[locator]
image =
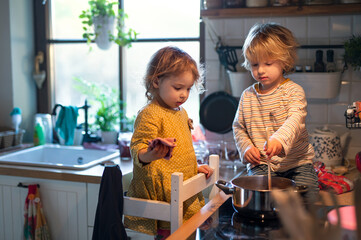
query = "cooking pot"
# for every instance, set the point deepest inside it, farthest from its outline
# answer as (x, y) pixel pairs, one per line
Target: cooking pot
(251, 196)
(328, 146)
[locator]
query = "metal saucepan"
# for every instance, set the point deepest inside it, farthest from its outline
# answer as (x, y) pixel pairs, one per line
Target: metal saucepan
(251, 196)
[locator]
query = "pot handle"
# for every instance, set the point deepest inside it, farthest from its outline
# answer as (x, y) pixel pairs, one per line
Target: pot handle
(221, 184)
(301, 189)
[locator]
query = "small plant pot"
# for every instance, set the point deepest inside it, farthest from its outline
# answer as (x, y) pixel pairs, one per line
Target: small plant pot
(103, 26)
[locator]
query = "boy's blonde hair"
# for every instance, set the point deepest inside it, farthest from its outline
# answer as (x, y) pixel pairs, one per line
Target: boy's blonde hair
(171, 61)
(270, 41)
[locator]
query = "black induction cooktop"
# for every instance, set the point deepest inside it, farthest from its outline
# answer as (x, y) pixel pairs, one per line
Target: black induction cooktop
(226, 223)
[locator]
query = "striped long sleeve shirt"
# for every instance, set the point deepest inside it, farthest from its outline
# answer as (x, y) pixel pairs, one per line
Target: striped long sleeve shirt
(282, 110)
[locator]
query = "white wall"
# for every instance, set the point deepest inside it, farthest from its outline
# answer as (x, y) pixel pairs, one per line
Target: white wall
(17, 88)
(308, 30)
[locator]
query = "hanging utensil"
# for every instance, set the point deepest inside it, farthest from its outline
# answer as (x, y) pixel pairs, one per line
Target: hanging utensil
(231, 58)
(227, 56)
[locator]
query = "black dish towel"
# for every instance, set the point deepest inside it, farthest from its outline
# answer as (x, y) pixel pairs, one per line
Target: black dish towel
(108, 223)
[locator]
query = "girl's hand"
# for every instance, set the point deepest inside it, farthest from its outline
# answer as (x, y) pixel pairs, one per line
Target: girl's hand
(160, 151)
(273, 147)
(207, 170)
(252, 155)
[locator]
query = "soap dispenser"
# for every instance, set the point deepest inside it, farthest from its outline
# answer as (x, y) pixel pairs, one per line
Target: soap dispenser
(16, 118)
(39, 132)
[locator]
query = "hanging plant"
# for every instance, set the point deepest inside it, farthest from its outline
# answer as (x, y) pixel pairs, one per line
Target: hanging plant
(353, 52)
(100, 21)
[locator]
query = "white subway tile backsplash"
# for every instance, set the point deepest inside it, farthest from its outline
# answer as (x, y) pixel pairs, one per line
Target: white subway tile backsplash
(318, 27)
(356, 26)
(347, 75)
(249, 22)
(344, 94)
(211, 53)
(340, 26)
(316, 113)
(281, 21)
(355, 92)
(212, 70)
(336, 113)
(234, 28)
(356, 76)
(355, 138)
(351, 153)
(212, 86)
(215, 27)
(298, 26)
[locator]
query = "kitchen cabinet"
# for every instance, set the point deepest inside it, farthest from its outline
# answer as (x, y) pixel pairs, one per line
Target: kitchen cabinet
(64, 205)
(305, 10)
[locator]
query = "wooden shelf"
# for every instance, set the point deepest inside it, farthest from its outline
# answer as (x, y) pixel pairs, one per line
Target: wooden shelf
(305, 10)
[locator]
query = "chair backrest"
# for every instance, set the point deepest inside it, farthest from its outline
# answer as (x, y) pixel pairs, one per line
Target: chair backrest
(180, 191)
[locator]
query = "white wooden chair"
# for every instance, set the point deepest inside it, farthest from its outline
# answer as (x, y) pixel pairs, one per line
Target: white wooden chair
(180, 191)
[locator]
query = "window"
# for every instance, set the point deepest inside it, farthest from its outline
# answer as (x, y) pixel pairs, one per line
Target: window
(158, 22)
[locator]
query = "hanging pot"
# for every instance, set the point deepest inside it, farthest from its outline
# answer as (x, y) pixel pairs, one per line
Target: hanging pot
(103, 27)
(217, 112)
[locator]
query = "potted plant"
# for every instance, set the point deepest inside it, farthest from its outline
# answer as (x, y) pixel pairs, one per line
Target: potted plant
(353, 52)
(99, 22)
(105, 100)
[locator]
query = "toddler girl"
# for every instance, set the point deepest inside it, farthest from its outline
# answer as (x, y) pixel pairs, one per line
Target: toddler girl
(170, 75)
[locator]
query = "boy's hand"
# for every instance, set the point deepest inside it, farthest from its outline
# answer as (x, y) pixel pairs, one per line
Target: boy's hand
(207, 170)
(273, 148)
(252, 155)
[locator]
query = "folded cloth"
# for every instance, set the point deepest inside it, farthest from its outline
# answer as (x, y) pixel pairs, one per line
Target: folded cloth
(329, 181)
(169, 142)
(35, 226)
(66, 123)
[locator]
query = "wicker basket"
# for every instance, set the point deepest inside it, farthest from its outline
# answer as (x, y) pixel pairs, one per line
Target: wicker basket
(8, 137)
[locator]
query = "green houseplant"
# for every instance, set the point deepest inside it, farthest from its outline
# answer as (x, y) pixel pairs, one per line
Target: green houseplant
(109, 115)
(105, 100)
(99, 22)
(353, 52)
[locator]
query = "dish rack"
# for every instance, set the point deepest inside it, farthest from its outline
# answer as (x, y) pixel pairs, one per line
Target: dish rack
(353, 117)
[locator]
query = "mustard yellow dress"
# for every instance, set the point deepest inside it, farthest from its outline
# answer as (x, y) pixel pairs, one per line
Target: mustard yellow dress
(153, 180)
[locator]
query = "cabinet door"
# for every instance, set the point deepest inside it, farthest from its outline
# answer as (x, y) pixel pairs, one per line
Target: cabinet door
(64, 205)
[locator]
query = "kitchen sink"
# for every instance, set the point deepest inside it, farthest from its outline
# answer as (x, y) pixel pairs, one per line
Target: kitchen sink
(58, 156)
